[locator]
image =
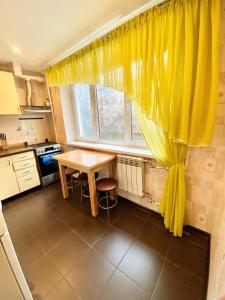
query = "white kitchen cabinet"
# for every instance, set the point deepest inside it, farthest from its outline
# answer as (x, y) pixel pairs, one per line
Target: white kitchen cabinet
(28, 182)
(22, 156)
(18, 173)
(9, 101)
(25, 172)
(9, 288)
(24, 164)
(13, 285)
(8, 182)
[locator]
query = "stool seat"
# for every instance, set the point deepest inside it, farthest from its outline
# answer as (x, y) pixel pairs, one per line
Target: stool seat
(84, 176)
(70, 171)
(106, 184)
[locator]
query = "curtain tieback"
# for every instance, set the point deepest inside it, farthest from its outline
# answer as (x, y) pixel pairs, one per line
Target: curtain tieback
(177, 164)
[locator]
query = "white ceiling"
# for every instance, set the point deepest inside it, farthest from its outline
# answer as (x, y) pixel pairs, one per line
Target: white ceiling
(43, 29)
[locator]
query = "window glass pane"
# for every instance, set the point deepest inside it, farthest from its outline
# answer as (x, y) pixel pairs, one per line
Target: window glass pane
(110, 105)
(136, 134)
(83, 105)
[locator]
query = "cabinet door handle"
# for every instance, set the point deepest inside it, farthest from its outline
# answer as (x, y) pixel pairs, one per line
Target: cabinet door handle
(23, 156)
(28, 179)
(26, 172)
(25, 165)
(9, 162)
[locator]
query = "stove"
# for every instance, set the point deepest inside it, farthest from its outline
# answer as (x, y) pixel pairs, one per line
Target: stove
(46, 147)
(48, 166)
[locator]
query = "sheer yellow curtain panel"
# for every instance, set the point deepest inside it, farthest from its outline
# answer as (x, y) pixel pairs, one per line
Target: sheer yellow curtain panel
(166, 60)
(171, 155)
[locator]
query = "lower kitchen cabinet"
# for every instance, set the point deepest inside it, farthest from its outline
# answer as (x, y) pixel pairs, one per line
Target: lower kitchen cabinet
(28, 182)
(8, 182)
(18, 173)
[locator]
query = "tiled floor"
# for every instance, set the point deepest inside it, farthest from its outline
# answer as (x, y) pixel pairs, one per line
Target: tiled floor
(66, 254)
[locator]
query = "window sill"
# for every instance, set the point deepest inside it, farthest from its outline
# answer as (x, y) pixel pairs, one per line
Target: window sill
(141, 152)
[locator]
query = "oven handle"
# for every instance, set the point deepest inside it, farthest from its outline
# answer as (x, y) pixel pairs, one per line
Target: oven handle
(52, 153)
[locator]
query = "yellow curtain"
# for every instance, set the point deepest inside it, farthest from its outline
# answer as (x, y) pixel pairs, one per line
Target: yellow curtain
(166, 61)
(171, 155)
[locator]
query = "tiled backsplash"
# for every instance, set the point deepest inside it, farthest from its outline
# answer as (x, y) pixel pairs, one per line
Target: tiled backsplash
(27, 128)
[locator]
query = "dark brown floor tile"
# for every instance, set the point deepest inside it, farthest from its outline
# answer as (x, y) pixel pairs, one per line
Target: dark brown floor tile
(120, 287)
(19, 234)
(24, 205)
(28, 253)
(176, 284)
(22, 200)
(113, 245)
(142, 265)
(189, 256)
(90, 275)
(42, 277)
(156, 219)
(48, 197)
(68, 252)
(155, 238)
(196, 238)
(129, 223)
(52, 235)
(83, 204)
(113, 214)
(62, 291)
(39, 220)
(42, 220)
(138, 211)
(70, 214)
(11, 218)
(91, 230)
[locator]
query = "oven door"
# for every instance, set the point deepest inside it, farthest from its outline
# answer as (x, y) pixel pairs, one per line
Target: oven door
(48, 165)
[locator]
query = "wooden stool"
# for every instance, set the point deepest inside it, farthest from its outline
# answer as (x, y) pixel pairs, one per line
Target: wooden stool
(69, 174)
(107, 185)
(83, 177)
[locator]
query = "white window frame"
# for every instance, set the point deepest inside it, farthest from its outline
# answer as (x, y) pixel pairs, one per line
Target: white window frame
(95, 124)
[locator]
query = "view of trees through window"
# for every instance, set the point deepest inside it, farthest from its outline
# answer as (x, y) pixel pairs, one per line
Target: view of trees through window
(103, 114)
(83, 105)
(110, 105)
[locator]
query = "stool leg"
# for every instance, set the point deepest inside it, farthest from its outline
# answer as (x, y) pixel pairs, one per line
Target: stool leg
(107, 199)
(81, 190)
(71, 182)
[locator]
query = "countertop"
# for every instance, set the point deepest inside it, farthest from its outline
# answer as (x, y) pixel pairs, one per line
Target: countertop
(15, 150)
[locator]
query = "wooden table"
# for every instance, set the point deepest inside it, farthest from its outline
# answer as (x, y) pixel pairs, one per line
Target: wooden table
(88, 162)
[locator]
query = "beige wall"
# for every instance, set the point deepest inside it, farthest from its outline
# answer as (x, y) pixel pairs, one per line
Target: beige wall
(216, 210)
(29, 130)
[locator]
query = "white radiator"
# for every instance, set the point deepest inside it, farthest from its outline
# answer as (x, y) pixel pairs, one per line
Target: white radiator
(130, 174)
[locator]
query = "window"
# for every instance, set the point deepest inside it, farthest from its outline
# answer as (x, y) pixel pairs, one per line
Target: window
(110, 106)
(83, 109)
(105, 115)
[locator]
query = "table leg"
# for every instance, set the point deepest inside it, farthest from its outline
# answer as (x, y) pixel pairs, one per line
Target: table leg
(111, 168)
(63, 181)
(92, 190)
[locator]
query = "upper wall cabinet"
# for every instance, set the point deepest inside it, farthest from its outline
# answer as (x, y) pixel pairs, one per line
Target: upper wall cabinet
(9, 101)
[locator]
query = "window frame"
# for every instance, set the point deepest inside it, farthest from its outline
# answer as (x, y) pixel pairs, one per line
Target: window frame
(127, 141)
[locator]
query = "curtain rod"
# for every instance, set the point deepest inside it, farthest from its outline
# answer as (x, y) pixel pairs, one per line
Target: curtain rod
(105, 29)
